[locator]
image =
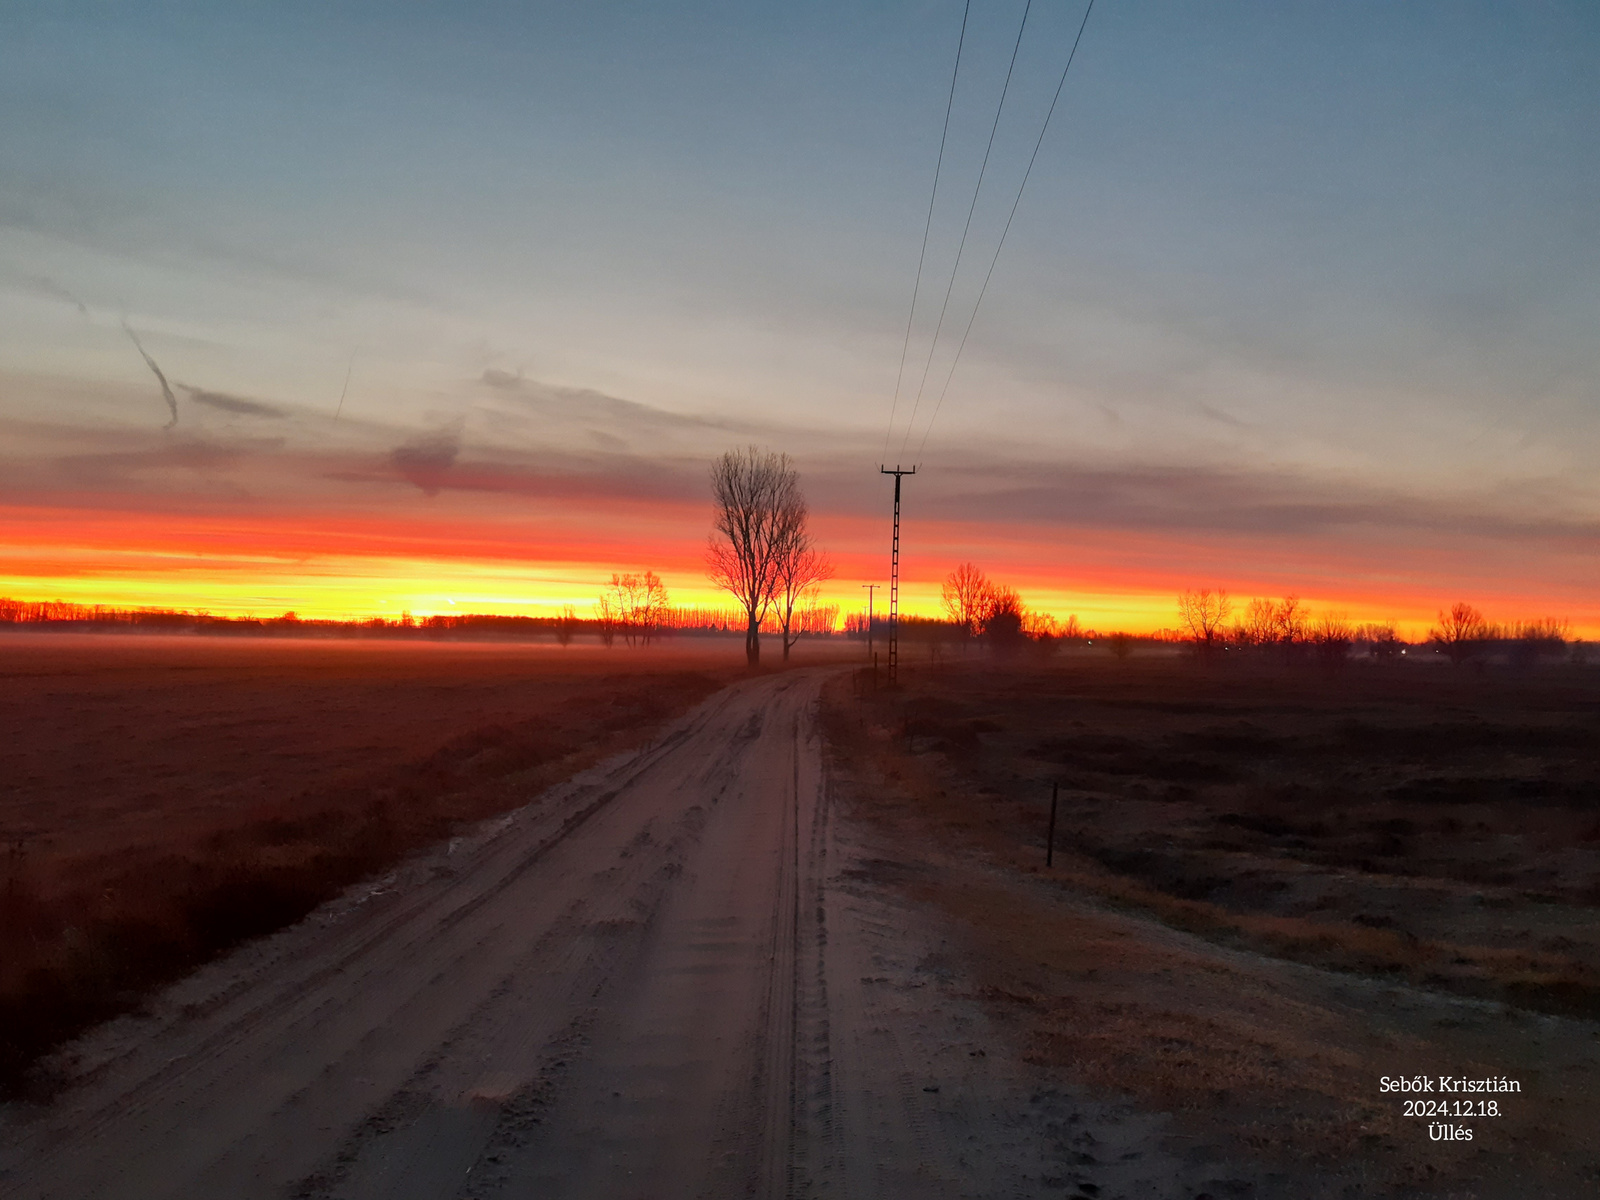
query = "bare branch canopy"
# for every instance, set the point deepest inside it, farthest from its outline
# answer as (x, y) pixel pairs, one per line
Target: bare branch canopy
(758, 533)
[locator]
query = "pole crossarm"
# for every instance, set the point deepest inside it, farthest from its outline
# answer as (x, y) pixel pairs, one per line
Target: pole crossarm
(894, 572)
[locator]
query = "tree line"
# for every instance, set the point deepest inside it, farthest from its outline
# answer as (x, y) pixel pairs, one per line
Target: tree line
(1288, 626)
(67, 616)
(979, 607)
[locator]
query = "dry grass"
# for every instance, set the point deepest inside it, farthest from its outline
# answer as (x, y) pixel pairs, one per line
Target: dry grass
(1430, 827)
(1143, 964)
(173, 797)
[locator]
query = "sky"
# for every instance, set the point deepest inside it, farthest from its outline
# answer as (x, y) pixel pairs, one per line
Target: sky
(456, 304)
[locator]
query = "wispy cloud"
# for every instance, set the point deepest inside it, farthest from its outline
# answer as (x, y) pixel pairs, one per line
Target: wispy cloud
(51, 288)
(585, 450)
(1198, 500)
(232, 404)
(595, 417)
(166, 388)
(1216, 414)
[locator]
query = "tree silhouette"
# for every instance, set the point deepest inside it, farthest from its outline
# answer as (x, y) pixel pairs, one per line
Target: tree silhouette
(607, 619)
(966, 596)
(566, 624)
(1332, 634)
(1004, 618)
(1202, 613)
(1461, 631)
(801, 566)
(1259, 626)
(635, 606)
(759, 513)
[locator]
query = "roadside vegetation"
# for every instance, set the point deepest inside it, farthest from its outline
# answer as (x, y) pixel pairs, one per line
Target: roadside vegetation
(1395, 823)
(171, 798)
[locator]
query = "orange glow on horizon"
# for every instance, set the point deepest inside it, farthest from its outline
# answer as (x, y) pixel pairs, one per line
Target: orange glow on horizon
(358, 565)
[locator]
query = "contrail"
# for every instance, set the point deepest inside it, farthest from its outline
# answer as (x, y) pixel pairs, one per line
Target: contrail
(344, 391)
(166, 388)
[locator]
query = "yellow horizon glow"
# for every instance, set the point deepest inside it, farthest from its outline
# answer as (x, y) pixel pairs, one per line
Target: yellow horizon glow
(354, 567)
(359, 589)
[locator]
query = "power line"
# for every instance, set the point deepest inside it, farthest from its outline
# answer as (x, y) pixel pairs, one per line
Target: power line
(984, 290)
(971, 208)
(927, 226)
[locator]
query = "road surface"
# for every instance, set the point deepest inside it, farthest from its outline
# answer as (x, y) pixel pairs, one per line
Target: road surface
(657, 981)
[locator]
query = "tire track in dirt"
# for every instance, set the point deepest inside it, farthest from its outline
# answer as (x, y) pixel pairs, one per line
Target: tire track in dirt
(672, 976)
(354, 981)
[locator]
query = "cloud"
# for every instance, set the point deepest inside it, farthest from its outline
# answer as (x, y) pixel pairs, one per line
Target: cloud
(161, 466)
(1198, 500)
(232, 404)
(589, 412)
(166, 388)
(503, 380)
(51, 288)
(426, 460)
(546, 474)
(189, 453)
(580, 448)
(1216, 414)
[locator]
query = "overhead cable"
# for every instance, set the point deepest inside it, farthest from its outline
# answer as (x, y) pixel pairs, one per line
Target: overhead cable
(984, 290)
(971, 208)
(949, 103)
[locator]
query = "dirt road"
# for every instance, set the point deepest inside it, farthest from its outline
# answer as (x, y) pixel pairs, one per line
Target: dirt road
(658, 981)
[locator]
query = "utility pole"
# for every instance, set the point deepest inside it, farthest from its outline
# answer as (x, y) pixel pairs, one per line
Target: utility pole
(894, 573)
(871, 588)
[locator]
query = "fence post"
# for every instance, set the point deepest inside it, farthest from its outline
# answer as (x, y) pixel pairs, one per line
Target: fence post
(1050, 838)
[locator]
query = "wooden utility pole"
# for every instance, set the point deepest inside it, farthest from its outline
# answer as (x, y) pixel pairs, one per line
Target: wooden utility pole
(871, 590)
(894, 574)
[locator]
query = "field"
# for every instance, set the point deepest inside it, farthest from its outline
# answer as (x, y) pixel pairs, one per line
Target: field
(1273, 885)
(168, 797)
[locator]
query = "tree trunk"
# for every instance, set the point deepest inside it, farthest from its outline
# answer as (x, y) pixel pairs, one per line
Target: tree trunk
(752, 642)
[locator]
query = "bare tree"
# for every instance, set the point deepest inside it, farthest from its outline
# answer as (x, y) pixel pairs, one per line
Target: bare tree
(1004, 619)
(1382, 639)
(759, 508)
(654, 607)
(637, 606)
(1259, 626)
(1043, 626)
(966, 596)
(1547, 636)
(566, 624)
(814, 616)
(1202, 613)
(801, 566)
(607, 619)
(1289, 619)
(1461, 631)
(1332, 634)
